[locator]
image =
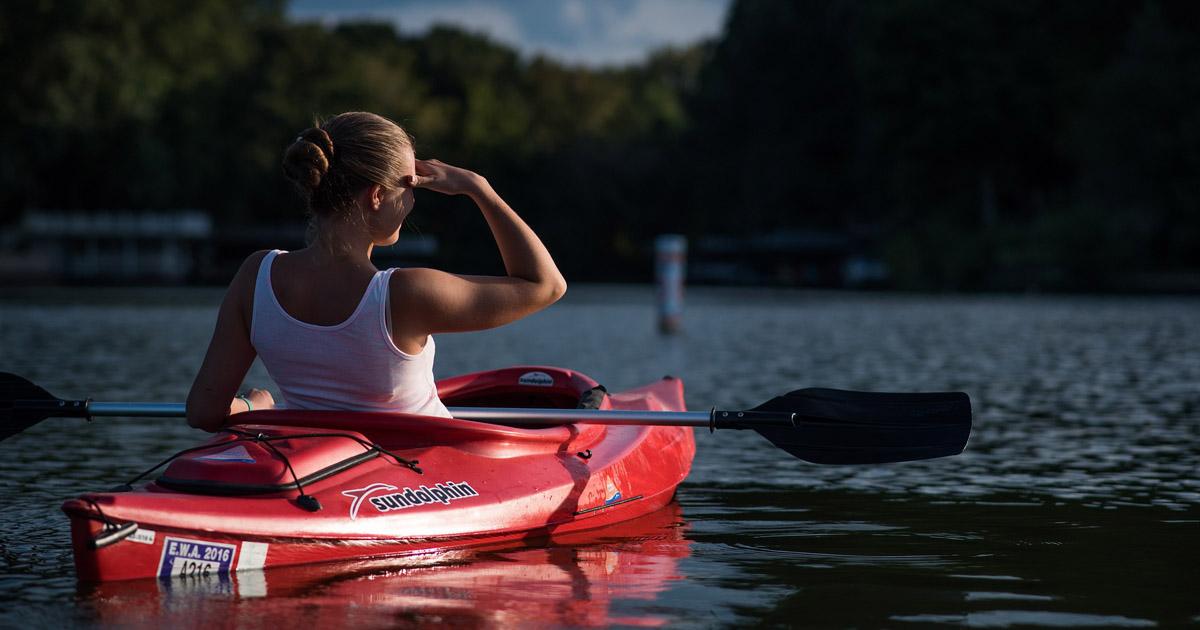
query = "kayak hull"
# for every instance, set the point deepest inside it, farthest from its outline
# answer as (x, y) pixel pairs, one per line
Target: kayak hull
(569, 581)
(238, 502)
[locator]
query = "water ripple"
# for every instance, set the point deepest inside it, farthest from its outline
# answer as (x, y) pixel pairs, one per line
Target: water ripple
(1073, 500)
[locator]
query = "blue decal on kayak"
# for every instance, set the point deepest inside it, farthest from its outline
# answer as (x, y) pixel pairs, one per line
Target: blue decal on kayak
(612, 494)
(195, 558)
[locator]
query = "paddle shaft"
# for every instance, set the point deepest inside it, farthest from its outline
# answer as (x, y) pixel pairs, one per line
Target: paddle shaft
(539, 417)
(823, 426)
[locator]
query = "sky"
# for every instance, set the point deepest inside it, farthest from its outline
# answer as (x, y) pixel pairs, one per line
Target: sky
(586, 32)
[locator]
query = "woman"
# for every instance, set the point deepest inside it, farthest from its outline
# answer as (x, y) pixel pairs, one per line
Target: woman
(333, 331)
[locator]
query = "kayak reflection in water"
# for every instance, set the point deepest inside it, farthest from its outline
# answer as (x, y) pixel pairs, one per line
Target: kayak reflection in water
(577, 580)
(333, 331)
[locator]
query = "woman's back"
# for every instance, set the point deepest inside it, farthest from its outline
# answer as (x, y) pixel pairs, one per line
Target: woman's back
(323, 357)
(320, 318)
(315, 292)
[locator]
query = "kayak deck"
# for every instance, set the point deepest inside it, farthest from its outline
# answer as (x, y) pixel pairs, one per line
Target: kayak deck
(238, 503)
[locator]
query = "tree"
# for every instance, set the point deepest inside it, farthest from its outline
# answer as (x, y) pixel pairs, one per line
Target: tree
(776, 116)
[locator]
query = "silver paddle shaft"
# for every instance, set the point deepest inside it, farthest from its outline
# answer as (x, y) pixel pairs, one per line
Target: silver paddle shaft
(137, 410)
(546, 417)
(592, 416)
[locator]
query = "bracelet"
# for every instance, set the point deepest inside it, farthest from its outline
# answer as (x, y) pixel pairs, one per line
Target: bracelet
(249, 407)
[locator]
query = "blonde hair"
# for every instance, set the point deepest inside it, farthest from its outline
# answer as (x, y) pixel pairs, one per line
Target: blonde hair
(334, 160)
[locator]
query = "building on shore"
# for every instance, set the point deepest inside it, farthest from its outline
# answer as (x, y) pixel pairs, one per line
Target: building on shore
(105, 246)
(179, 246)
(794, 257)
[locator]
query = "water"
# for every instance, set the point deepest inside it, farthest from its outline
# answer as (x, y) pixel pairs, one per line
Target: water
(1077, 503)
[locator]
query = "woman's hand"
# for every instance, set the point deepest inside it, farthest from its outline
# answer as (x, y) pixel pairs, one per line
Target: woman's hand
(449, 180)
(259, 399)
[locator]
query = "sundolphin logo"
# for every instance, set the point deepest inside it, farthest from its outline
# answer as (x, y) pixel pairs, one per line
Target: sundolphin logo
(442, 493)
(396, 499)
(361, 495)
(540, 379)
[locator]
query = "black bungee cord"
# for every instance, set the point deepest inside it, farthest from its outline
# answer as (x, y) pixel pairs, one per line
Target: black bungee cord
(306, 501)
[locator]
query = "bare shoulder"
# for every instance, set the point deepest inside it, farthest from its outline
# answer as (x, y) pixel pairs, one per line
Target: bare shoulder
(433, 301)
(412, 288)
(251, 264)
(241, 288)
(248, 271)
(415, 282)
(410, 291)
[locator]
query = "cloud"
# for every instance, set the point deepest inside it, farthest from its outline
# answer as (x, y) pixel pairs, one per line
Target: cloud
(612, 32)
(574, 13)
(478, 17)
(671, 21)
(603, 33)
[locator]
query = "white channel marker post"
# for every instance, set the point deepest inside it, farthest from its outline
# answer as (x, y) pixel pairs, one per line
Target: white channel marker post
(670, 266)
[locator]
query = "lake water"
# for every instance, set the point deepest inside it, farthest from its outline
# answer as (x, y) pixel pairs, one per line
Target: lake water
(1076, 504)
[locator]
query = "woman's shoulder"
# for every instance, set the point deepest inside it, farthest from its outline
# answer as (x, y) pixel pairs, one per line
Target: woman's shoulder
(413, 281)
(254, 260)
(248, 270)
(246, 277)
(411, 291)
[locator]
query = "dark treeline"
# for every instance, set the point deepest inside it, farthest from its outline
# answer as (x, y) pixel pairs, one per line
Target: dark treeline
(972, 145)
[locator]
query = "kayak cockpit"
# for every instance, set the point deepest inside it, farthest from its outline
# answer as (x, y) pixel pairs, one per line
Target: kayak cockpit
(529, 387)
(276, 450)
(399, 431)
(533, 387)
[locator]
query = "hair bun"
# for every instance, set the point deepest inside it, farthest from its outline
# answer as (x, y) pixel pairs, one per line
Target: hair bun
(308, 158)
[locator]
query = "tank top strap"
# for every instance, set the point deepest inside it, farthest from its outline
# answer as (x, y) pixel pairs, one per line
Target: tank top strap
(380, 293)
(262, 290)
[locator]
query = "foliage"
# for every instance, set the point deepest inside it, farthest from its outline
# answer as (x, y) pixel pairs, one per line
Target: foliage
(989, 144)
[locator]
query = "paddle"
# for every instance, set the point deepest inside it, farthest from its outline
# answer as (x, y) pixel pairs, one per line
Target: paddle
(823, 426)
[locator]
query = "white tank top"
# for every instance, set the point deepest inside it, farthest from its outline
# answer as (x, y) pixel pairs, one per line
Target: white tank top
(353, 365)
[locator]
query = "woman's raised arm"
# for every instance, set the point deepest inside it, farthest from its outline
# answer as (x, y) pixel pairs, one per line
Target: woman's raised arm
(435, 301)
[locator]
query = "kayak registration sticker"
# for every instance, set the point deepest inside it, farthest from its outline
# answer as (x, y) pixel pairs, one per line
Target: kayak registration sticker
(142, 535)
(194, 558)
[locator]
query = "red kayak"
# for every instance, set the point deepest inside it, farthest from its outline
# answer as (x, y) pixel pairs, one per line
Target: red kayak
(299, 487)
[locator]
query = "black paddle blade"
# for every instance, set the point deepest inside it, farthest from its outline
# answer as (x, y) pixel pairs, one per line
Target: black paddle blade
(842, 427)
(23, 404)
